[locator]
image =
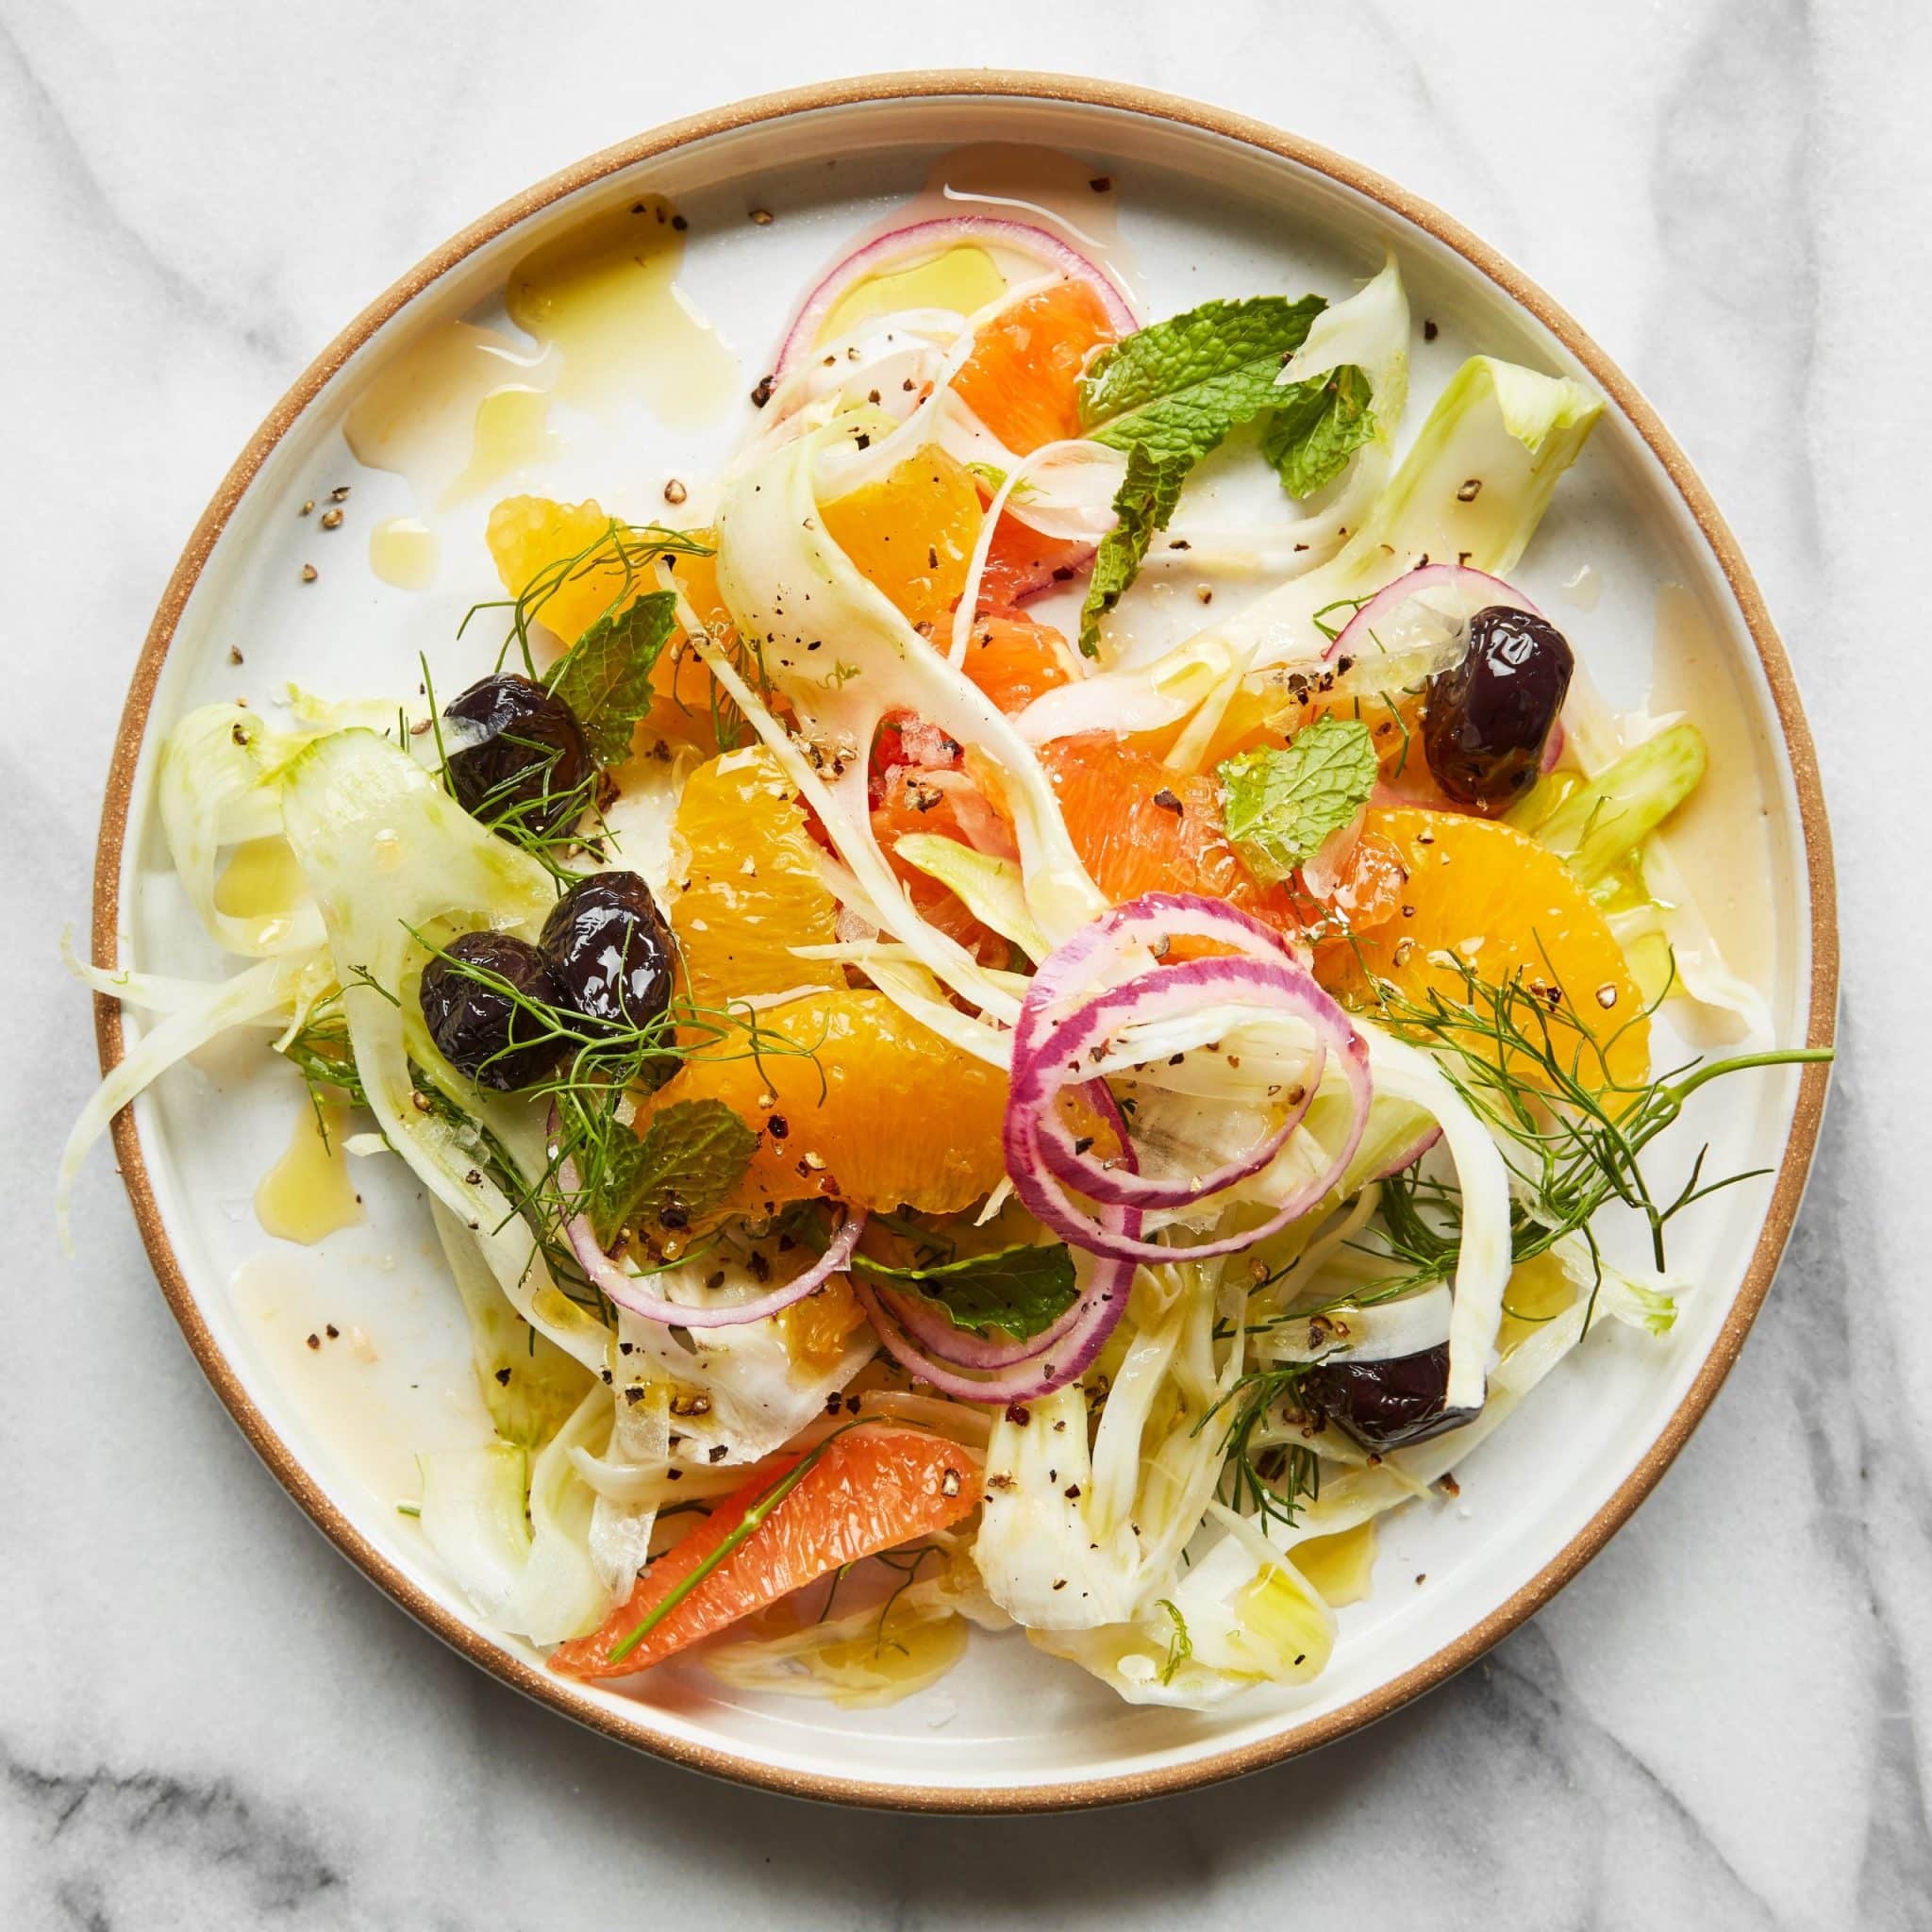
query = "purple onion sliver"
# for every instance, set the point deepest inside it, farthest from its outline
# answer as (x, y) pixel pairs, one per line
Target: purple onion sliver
(1354, 639)
(1022, 236)
(1040, 1074)
(628, 1291)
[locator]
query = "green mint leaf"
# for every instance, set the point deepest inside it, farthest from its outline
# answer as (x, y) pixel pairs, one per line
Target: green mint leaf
(1167, 395)
(1178, 387)
(690, 1157)
(1316, 426)
(1280, 805)
(1022, 1291)
(1143, 504)
(606, 677)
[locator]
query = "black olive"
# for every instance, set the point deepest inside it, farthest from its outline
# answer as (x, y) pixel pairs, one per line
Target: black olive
(1387, 1404)
(480, 1029)
(609, 950)
(516, 750)
(1489, 716)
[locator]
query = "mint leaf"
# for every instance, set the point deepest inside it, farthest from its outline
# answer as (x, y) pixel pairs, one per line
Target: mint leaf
(1022, 1291)
(690, 1157)
(606, 677)
(1278, 806)
(1167, 395)
(1141, 504)
(1178, 387)
(1316, 426)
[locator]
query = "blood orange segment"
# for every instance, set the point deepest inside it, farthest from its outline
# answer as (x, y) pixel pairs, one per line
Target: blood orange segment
(946, 802)
(1020, 561)
(1479, 892)
(1013, 660)
(1023, 377)
(749, 888)
(852, 1100)
(1142, 828)
(911, 533)
(867, 1491)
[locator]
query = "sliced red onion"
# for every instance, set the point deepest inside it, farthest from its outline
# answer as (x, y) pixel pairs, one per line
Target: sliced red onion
(1095, 1316)
(630, 1292)
(1141, 924)
(1464, 591)
(1021, 237)
(1042, 1073)
(1063, 1017)
(936, 1334)
(1552, 749)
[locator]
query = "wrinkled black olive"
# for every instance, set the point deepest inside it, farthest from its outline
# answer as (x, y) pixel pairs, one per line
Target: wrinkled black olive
(480, 1029)
(1488, 717)
(1388, 1403)
(609, 950)
(516, 750)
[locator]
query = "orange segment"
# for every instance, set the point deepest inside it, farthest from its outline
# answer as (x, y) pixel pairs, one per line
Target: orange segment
(1141, 829)
(531, 536)
(873, 1109)
(536, 542)
(1481, 891)
(816, 1329)
(1013, 660)
(750, 888)
(911, 533)
(870, 1490)
(1023, 377)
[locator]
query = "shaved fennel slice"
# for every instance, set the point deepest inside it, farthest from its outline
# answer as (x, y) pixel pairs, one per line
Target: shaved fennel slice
(263, 991)
(1483, 1261)
(384, 850)
(534, 1579)
(544, 1385)
(992, 890)
(1599, 736)
(218, 785)
(755, 1394)
(153, 992)
(1096, 472)
(1076, 1538)
(843, 654)
(1508, 430)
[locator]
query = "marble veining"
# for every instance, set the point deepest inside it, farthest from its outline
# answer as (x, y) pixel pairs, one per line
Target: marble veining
(1724, 1722)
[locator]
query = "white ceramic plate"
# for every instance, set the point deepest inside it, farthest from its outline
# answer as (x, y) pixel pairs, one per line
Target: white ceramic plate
(1207, 205)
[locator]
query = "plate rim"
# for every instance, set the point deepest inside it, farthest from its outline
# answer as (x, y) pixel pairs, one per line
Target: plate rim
(1106, 1789)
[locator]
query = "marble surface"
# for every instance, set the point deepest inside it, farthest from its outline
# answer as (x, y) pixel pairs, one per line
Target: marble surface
(1723, 1723)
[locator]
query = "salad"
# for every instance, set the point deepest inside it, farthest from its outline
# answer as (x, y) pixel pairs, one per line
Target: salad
(990, 1042)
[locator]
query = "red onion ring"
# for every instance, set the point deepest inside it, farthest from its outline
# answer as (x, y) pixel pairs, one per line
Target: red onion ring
(1105, 941)
(1021, 237)
(936, 1333)
(1147, 996)
(1059, 1020)
(1354, 639)
(1095, 1315)
(627, 1291)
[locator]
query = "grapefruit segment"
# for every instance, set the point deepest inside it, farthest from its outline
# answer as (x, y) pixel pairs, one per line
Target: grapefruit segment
(869, 1489)
(1023, 378)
